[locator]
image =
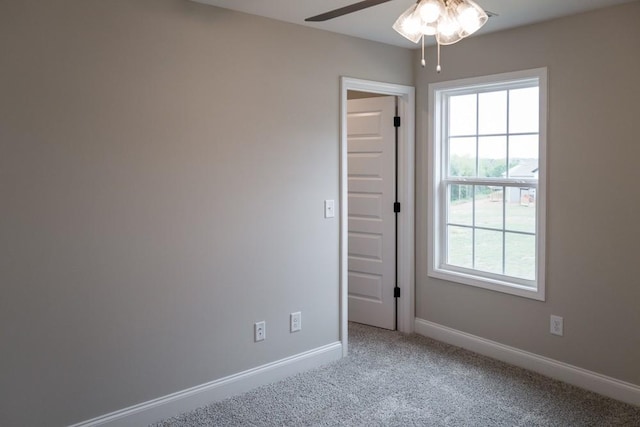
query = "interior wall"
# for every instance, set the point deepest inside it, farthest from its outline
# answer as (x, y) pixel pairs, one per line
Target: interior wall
(163, 169)
(356, 94)
(592, 207)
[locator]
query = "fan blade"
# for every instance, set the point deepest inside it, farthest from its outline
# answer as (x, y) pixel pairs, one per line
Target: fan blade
(345, 10)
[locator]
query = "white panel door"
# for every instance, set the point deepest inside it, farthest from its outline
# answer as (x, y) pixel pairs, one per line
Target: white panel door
(372, 239)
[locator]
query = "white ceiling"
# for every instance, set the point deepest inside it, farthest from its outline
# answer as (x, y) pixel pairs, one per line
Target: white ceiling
(375, 23)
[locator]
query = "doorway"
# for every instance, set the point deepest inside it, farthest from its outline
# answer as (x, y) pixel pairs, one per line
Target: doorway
(371, 188)
(404, 99)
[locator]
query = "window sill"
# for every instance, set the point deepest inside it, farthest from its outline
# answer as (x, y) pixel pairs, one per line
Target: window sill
(490, 284)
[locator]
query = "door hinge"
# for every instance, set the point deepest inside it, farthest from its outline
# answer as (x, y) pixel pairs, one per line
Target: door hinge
(396, 121)
(396, 292)
(396, 207)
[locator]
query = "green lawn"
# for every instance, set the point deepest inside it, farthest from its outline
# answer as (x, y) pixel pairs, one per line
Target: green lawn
(519, 249)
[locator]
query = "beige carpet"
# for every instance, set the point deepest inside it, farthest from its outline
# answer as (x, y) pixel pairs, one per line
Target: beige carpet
(390, 379)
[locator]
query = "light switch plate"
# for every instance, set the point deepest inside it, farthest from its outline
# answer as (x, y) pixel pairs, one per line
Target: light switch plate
(329, 208)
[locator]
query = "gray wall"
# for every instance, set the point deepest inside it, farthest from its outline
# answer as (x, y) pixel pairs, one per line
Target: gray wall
(593, 249)
(355, 94)
(163, 166)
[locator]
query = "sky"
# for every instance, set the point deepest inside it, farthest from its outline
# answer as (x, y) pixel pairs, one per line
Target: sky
(489, 114)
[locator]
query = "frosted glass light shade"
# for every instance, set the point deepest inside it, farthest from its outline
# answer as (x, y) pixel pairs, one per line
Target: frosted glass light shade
(409, 24)
(448, 30)
(430, 10)
(429, 29)
(470, 16)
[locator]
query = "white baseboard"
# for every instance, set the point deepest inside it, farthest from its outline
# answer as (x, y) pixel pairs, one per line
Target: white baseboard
(186, 400)
(589, 380)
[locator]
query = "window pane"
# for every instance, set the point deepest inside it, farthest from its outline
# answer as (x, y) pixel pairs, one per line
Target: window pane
(462, 115)
(488, 251)
(521, 210)
(492, 112)
(459, 245)
(492, 156)
(520, 256)
(523, 147)
(489, 207)
(523, 110)
(462, 157)
(460, 204)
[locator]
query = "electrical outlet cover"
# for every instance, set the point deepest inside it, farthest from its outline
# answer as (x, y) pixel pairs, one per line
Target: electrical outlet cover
(260, 331)
(296, 321)
(556, 325)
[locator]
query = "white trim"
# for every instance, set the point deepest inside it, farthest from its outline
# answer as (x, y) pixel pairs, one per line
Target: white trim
(583, 378)
(204, 394)
(406, 179)
(436, 210)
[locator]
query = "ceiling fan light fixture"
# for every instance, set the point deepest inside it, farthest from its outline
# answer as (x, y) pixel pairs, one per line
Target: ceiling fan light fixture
(448, 20)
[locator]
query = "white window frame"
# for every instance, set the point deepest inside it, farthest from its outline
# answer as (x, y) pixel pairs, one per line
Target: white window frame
(436, 191)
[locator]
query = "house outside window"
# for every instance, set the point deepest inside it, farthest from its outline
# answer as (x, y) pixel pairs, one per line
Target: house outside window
(487, 169)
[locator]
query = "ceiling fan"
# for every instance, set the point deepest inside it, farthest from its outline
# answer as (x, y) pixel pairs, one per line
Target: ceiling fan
(448, 20)
(345, 10)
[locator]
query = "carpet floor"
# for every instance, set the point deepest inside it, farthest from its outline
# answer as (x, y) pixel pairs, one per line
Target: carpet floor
(392, 379)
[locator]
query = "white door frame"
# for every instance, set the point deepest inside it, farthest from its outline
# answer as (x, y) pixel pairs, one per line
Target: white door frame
(406, 180)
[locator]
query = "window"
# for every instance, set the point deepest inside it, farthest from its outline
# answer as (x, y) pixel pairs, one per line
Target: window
(487, 166)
